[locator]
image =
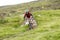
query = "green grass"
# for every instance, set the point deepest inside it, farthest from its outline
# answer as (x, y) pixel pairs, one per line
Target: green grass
(48, 27)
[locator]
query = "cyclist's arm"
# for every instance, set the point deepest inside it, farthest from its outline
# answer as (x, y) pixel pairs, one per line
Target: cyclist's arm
(24, 16)
(31, 15)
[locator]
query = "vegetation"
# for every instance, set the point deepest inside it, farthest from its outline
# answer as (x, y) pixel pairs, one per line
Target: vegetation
(48, 27)
(46, 14)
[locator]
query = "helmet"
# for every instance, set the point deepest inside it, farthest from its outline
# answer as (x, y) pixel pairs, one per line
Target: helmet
(26, 10)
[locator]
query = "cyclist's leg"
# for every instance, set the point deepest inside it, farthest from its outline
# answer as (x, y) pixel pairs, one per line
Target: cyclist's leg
(30, 23)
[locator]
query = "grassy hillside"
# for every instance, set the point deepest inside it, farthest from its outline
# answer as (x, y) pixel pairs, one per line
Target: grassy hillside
(48, 27)
(46, 14)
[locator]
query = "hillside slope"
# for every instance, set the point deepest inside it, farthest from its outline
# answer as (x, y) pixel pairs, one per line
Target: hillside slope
(48, 28)
(46, 14)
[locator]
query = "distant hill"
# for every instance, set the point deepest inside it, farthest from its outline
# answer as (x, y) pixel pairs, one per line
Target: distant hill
(48, 4)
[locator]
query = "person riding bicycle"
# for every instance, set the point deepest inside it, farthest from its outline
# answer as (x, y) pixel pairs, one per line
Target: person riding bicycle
(28, 18)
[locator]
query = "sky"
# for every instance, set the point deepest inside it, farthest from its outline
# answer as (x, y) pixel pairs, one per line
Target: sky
(12, 2)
